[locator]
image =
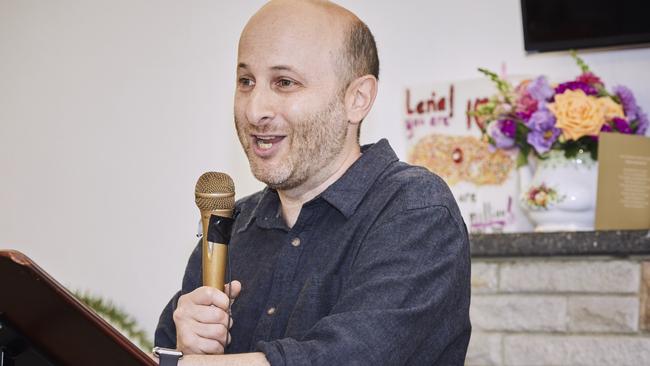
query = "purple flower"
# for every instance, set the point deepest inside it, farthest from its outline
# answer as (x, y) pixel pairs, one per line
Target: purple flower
(503, 133)
(540, 89)
(606, 128)
(576, 85)
(543, 140)
(621, 125)
(633, 112)
(628, 101)
(508, 127)
(642, 123)
(543, 132)
(542, 119)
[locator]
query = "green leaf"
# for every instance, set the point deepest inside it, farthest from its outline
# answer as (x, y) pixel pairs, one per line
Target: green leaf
(491, 141)
(590, 145)
(594, 153)
(522, 159)
(117, 317)
(521, 130)
(584, 144)
(503, 86)
(487, 108)
(581, 63)
(571, 149)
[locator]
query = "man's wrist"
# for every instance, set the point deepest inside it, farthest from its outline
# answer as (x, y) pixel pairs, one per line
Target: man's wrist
(240, 359)
(167, 356)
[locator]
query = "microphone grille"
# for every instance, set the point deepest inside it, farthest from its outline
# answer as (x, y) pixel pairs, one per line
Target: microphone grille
(215, 191)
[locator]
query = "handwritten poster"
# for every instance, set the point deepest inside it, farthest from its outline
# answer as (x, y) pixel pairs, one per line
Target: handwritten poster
(444, 139)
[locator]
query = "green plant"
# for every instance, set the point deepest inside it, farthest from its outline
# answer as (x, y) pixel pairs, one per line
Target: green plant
(118, 318)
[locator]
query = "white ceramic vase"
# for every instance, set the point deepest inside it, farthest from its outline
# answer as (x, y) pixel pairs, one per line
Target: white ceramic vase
(559, 194)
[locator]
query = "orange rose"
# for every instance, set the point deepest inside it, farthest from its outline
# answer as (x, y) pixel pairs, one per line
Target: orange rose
(578, 114)
(612, 109)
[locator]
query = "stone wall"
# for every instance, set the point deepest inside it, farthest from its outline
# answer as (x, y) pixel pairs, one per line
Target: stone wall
(560, 311)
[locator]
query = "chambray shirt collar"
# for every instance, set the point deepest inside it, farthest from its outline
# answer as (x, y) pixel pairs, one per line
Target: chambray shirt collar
(267, 213)
(345, 194)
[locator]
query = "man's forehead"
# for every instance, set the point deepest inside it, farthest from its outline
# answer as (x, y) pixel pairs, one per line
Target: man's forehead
(301, 36)
(296, 22)
(286, 47)
(321, 7)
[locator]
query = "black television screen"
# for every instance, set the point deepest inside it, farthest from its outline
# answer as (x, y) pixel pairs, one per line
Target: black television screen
(554, 25)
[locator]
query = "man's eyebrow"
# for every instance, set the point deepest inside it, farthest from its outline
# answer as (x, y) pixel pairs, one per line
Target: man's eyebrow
(282, 68)
(243, 65)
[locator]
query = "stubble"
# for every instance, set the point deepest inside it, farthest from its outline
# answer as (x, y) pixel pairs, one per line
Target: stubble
(315, 143)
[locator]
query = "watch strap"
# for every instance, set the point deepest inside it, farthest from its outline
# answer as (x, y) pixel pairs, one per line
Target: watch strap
(168, 360)
(167, 356)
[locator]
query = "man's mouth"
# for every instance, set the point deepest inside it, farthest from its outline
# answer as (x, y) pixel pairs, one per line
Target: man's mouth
(266, 142)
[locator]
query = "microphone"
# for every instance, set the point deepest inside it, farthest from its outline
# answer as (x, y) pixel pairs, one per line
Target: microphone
(215, 197)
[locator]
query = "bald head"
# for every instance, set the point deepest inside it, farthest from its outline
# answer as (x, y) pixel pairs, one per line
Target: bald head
(348, 42)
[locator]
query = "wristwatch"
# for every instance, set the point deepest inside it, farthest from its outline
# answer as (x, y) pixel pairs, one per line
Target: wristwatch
(167, 356)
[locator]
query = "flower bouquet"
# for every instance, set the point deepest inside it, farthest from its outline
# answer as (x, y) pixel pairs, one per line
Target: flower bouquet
(559, 126)
(536, 117)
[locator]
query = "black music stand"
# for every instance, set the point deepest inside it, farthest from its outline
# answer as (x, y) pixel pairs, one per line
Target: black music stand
(43, 324)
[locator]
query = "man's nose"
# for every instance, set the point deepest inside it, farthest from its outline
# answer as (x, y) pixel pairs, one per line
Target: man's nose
(259, 110)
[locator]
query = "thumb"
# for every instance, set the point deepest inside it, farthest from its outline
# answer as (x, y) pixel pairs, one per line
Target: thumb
(233, 289)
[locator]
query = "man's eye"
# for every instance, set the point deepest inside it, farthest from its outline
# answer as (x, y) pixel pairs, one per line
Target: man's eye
(246, 82)
(286, 83)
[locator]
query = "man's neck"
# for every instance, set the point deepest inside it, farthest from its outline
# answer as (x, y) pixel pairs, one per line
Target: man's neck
(292, 200)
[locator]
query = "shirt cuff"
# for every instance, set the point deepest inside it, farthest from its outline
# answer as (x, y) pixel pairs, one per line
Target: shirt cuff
(283, 352)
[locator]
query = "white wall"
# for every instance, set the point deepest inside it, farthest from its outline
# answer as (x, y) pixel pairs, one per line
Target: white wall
(110, 110)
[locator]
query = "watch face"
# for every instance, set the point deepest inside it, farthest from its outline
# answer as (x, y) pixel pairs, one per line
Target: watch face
(157, 351)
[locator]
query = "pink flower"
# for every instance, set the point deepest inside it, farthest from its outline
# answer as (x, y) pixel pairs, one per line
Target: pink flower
(590, 78)
(526, 106)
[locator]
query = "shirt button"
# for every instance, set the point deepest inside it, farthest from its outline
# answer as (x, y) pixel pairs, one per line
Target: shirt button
(295, 242)
(271, 311)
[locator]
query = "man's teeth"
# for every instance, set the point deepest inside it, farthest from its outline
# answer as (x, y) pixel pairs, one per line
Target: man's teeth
(264, 145)
(265, 142)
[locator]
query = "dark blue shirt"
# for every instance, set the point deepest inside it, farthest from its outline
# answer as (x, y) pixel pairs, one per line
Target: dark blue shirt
(375, 271)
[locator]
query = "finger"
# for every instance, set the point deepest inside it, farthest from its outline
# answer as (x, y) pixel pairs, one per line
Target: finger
(233, 289)
(189, 314)
(187, 343)
(191, 338)
(216, 332)
(210, 315)
(206, 295)
(209, 346)
(202, 346)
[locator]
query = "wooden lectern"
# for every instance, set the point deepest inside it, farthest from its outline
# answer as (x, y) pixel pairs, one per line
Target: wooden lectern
(43, 324)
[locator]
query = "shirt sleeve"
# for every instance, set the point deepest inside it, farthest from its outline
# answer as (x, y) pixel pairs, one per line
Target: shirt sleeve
(409, 288)
(165, 335)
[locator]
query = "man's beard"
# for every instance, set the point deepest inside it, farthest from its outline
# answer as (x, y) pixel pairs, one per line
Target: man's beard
(315, 142)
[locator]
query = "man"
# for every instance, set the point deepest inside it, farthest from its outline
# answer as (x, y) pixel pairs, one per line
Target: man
(348, 257)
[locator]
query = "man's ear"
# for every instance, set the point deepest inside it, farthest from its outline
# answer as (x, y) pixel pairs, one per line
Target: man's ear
(359, 98)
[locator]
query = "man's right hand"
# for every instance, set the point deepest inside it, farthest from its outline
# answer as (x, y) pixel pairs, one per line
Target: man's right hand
(201, 319)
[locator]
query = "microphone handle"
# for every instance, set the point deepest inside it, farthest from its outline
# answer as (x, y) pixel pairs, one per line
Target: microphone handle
(214, 254)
